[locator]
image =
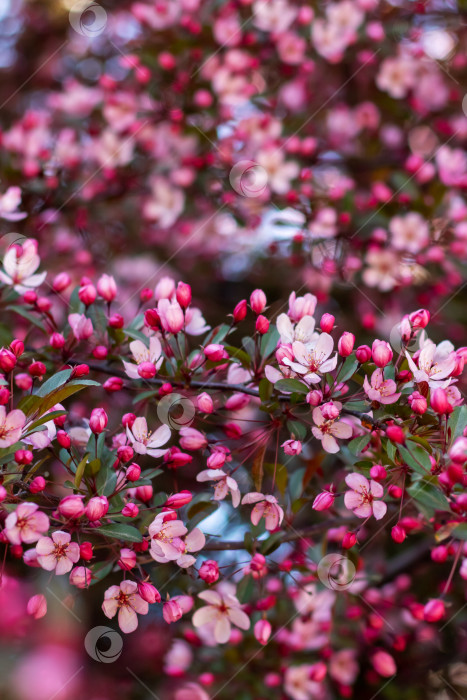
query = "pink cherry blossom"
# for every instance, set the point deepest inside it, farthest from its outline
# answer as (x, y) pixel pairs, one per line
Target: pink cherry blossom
(11, 426)
(265, 507)
(380, 389)
(57, 553)
(26, 524)
(221, 612)
(125, 600)
(141, 353)
(19, 264)
(224, 484)
(313, 359)
(145, 442)
(328, 428)
(362, 498)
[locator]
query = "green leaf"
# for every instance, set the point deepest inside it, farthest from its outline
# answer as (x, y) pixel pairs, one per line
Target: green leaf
(416, 457)
(126, 533)
(44, 419)
(272, 543)
(359, 444)
(457, 422)
(64, 392)
(201, 510)
(54, 382)
(297, 429)
(136, 335)
(428, 497)
(348, 369)
(80, 471)
(100, 571)
(220, 333)
(38, 322)
(292, 385)
(296, 484)
(269, 341)
(460, 531)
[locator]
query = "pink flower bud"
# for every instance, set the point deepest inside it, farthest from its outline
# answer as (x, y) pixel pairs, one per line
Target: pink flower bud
(87, 294)
(262, 324)
(327, 323)
(395, 491)
(107, 288)
(323, 501)
(378, 472)
(23, 381)
(23, 456)
(349, 540)
(100, 352)
(395, 434)
(384, 664)
(17, 347)
(363, 354)
(318, 672)
(209, 571)
(98, 420)
(258, 301)
(80, 577)
(346, 344)
(116, 321)
(440, 554)
(71, 507)
(3, 493)
(314, 398)
(192, 439)
(57, 341)
(37, 606)
(292, 447)
(79, 371)
(152, 319)
(130, 510)
(215, 352)
(7, 360)
(125, 453)
(133, 472)
(398, 534)
(174, 318)
(61, 282)
(113, 384)
(417, 403)
(240, 311)
(37, 369)
(183, 294)
(128, 419)
(262, 631)
(439, 401)
(144, 493)
(97, 507)
(330, 411)
(381, 353)
(148, 592)
(147, 370)
(178, 500)
(63, 439)
(165, 288)
(127, 559)
(85, 551)
(204, 402)
(37, 484)
(434, 610)
(419, 319)
(171, 611)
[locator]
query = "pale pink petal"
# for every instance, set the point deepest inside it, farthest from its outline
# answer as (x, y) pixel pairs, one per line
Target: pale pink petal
(376, 489)
(60, 537)
(257, 513)
(211, 597)
(110, 606)
(379, 509)
(252, 497)
(363, 511)
(128, 587)
(64, 565)
(352, 500)
(330, 444)
(318, 416)
(357, 482)
(127, 619)
(205, 615)
(222, 630)
(48, 562)
(239, 618)
(195, 540)
(140, 429)
(342, 430)
(45, 546)
(138, 604)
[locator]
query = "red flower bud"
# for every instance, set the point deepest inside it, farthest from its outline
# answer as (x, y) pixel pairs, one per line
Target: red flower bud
(240, 311)
(346, 344)
(79, 371)
(133, 472)
(262, 324)
(349, 540)
(98, 420)
(398, 534)
(327, 323)
(395, 434)
(37, 484)
(258, 301)
(363, 354)
(7, 360)
(152, 319)
(63, 439)
(37, 369)
(17, 347)
(183, 294)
